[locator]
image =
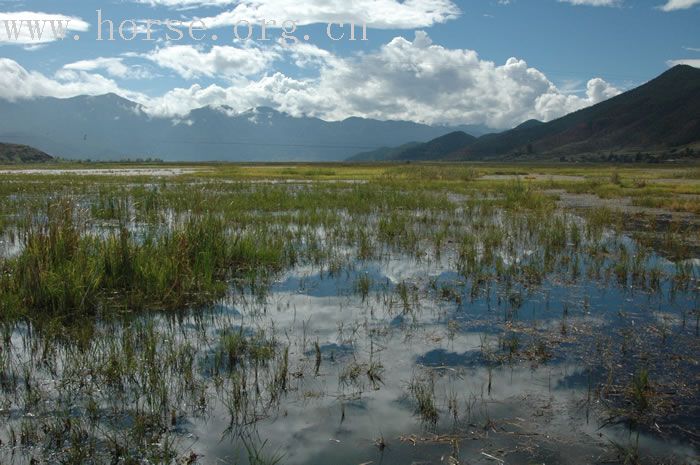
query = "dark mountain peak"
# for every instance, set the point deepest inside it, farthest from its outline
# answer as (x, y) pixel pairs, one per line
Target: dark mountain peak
(455, 136)
(474, 129)
(679, 75)
(531, 123)
(15, 153)
(432, 150)
(681, 71)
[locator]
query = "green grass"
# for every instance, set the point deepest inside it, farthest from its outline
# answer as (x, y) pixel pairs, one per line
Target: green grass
(64, 269)
(113, 285)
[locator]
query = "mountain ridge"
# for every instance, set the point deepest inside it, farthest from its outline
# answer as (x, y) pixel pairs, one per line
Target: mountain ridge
(620, 123)
(110, 127)
(427, 151)
(659, 115)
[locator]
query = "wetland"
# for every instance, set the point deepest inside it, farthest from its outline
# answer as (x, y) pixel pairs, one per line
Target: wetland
(350, 314)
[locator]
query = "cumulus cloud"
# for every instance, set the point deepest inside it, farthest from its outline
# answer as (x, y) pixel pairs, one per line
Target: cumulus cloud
(672, 5)
(16, 83)
(404, 80)
(34, 28)
(114, 67)
(413, 80)
(380, 14)
(552, 105)
(222, 61)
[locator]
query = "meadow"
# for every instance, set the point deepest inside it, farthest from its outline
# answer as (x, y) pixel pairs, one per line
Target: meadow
(330, 313)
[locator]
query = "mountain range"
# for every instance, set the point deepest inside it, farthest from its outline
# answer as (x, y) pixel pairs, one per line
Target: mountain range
(109, 127)
(660, 116)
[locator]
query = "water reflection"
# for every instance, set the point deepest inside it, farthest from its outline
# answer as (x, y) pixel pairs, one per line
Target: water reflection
(508, 369)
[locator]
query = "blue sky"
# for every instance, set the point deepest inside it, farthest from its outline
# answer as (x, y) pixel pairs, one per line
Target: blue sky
(493, 62)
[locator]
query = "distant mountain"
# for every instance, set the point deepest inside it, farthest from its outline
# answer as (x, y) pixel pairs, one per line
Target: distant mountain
(663, 114)
(432, 150)
(110, 127)
(384, 153)
(13, 153)
(531, 123)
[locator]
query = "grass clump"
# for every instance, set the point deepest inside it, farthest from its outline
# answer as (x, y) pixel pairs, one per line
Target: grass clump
(64, 269)
(423, 392)
(237, 348)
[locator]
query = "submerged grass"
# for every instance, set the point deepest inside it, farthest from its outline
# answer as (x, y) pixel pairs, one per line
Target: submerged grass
(133, 308)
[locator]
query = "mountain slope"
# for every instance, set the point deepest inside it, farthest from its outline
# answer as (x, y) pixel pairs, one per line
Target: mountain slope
(383, 153)
(662, 113)
(13, 153)
(432, 150)
(110, 127)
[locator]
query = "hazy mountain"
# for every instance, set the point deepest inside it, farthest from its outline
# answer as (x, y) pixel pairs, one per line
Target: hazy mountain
(110, 127)
(13, 153)
(101, 127)
(660, 115)
(384, 153)
(432, 150)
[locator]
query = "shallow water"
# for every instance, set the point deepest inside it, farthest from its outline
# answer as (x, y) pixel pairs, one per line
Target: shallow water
(493, 403)
(444, 342)
(534, 350)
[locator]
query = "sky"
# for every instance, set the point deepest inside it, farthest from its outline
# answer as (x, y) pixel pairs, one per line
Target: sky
(489, 62)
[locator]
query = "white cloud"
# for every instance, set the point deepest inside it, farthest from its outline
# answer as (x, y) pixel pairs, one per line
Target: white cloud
(403, 80)
(114, 67)
(673, 5)
(381, 14)
(593, 2)
(598, 90)
(34, 28)
(688, 61)
(17, 83)
(552, 105)
(222, 61)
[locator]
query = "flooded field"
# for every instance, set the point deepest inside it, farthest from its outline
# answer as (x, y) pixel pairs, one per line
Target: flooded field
(350, 315)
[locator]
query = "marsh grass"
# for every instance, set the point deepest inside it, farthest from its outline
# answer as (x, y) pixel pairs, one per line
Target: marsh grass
(150, 304)
(63, 270)
(422, 388)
